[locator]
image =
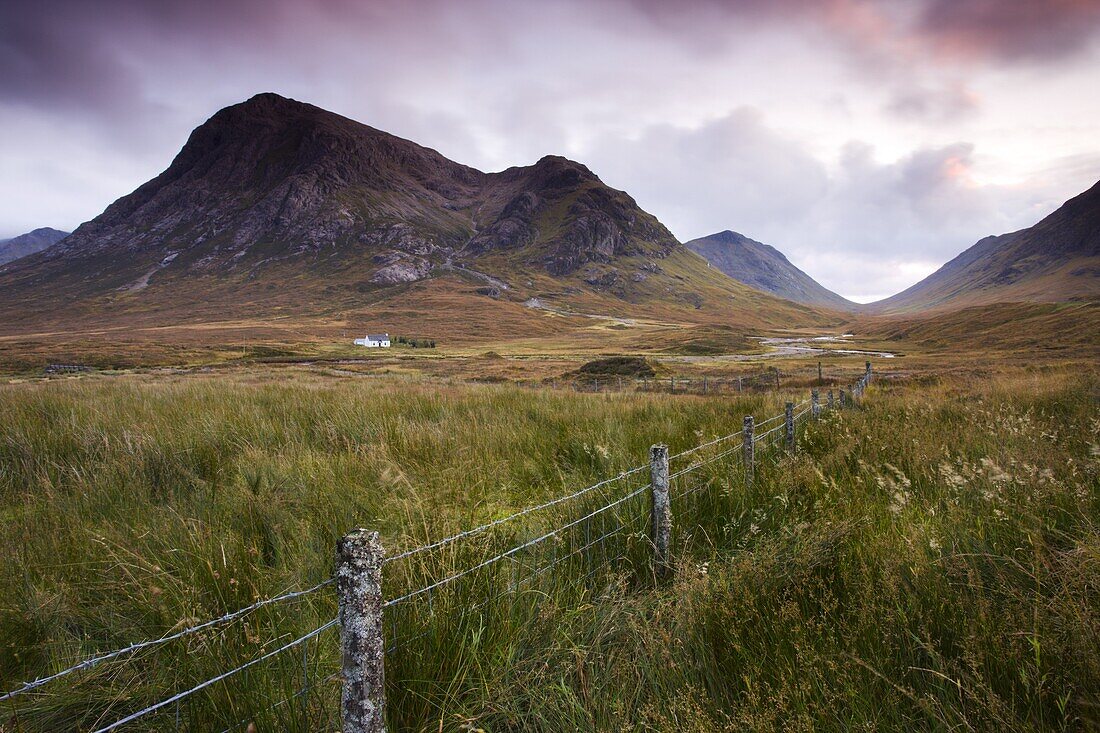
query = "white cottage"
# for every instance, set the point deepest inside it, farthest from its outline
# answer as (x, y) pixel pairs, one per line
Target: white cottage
(374, 341)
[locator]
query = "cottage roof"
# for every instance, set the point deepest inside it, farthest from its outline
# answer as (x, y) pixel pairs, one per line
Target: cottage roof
(378, 337)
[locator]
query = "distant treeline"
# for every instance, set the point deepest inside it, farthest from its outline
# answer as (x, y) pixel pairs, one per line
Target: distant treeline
(416, 343)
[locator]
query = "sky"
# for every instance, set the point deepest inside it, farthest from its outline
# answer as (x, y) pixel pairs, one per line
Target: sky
(869, 140)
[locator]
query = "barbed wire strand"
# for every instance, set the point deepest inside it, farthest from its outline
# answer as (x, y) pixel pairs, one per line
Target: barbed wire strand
(213, 680)
(496, 522)
(138, 646)
(698, 448)
(512, 551)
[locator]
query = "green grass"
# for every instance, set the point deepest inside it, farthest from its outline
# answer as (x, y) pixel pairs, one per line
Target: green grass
(930, 561)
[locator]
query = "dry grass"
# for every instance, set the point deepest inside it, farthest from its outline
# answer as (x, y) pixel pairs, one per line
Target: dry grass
(928, 562)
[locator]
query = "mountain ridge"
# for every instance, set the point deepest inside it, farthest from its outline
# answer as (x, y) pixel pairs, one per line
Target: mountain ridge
(33, 241)
(278, 206)
(1055, 260)
(765, 268)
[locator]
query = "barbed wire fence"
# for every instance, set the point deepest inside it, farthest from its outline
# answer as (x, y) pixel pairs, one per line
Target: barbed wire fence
(609, 534)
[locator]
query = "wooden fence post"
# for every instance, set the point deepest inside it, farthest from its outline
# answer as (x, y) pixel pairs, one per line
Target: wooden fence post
(704, 385)
(831, 403)
(749, 447)
(843, 399)
(739, 384)
(868, 371)
(660, 515)
(359, 592)
(788, 412)
(815, 404)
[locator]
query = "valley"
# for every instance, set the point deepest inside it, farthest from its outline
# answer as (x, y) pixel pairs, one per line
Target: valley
(620, 482)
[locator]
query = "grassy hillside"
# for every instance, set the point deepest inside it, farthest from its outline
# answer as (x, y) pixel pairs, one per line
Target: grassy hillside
(928, 562)
(1056, 260)
(1030, 330)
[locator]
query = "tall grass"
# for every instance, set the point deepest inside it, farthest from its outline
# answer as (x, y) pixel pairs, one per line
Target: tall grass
(930, 561)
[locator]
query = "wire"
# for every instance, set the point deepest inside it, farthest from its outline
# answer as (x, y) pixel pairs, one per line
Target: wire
(496, 522)
(700, 464)
(509, 553)
(761, 437)
(137, 646)
(203, 685)
(716, 441)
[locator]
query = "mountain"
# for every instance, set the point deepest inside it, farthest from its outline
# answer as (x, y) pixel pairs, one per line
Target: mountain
(765, 268)
(1056, 260)
(275, 208)
(29, 243)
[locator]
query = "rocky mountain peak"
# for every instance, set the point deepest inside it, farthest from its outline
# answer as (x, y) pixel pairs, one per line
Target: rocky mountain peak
(274, 180)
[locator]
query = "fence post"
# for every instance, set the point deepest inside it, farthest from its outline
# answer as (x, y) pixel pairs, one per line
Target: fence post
(672, 384)
(359, 592)
(788, 412)
(739, 384)
(645, 383)
(868, 372)
(704, 385)
(831, 403)
(660, 515)
(819, 379)
(750, 448)
(843, 399)
(815, 404)
(595, 385)
(777, 378)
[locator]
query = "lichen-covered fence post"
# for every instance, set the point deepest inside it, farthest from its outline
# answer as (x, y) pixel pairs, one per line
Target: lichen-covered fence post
(868, 373)
(359, 557)
(788, 415)
(660, 515)
(815, 404)
(843, 399)
(831, 403)
(748, 446)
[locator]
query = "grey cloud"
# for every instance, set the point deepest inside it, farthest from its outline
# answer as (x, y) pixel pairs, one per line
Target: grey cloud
(897, 220)
(702, 180)
(948, 103)
(1011, 30)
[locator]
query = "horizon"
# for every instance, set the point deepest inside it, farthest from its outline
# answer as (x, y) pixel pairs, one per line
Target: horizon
(874, 134)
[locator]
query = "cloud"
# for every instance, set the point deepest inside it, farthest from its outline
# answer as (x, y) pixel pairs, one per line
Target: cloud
(706, 179)
(714, 114)
(948, 103)
(864, 228)
(1009, 30)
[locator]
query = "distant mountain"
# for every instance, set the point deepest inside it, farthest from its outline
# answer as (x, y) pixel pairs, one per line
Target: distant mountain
(765, 268)
(29, 243)
(1056, 260)
(275, 206)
